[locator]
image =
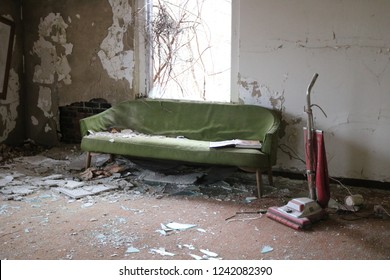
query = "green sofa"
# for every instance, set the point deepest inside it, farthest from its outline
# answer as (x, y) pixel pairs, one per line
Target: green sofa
(182, 130)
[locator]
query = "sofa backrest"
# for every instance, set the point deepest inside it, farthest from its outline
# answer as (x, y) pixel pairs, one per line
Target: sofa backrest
(193, 120)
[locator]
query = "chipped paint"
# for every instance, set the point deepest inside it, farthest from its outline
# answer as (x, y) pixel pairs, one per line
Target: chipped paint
(117, 61)
(8, 107)
(44, 101)
(252, 92)
(34, 120)
(47, 128)
(351, 56)
(52, 48)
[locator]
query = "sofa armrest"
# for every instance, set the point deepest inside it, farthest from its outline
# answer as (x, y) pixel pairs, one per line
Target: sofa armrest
(270, 143)
(98, 122)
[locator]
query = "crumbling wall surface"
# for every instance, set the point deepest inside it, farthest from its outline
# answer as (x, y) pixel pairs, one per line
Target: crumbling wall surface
(76, 50)
(11, 115)
(348, 44)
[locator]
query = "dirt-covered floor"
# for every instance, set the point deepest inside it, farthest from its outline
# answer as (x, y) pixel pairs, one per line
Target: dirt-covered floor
(52, 208)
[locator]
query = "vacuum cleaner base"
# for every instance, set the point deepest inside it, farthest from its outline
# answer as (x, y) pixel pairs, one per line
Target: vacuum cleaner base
(298, 213)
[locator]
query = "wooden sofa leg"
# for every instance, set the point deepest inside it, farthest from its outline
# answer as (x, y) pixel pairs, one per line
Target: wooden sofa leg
(88, 160)
(112, 157)
(259, 181)
(270, 178)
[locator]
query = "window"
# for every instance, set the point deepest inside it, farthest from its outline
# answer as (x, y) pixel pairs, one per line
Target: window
(190, 49)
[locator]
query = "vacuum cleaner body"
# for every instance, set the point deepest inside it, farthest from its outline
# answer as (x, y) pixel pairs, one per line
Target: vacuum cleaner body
(298, 213)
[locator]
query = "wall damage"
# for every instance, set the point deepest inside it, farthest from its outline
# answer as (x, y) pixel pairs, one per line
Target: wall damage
(349, 49)
(252, 92)
(9, 106)
(52, 48)
(53, 70)
(77, 52)
(116, 60)
(291, 128)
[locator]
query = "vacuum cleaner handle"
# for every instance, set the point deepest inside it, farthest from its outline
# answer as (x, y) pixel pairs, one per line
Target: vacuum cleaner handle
(313, 80)
(310, 169)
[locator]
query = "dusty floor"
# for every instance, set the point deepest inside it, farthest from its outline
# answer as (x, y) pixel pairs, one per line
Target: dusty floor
(39, 222)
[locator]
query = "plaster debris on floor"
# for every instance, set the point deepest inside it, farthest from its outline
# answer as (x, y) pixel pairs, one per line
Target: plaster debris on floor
(137, 209)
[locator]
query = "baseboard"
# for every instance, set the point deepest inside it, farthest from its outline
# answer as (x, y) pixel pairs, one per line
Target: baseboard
(351, 182)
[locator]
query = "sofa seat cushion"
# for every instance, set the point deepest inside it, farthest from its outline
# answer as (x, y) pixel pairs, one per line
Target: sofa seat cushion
(169, 148)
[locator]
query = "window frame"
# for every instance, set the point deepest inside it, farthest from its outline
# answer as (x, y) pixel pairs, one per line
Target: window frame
(143, 66)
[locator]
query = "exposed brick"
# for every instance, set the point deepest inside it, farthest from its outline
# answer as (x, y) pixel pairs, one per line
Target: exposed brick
(70, 116)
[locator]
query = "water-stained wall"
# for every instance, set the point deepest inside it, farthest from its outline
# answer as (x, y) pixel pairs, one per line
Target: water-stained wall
(282, 45)
(75, 50)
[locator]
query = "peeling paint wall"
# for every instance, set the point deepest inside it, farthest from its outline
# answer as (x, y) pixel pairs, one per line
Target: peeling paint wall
(11, 118)
(76, 50)
(117, 61)
(9, 107)
(52, 50)
(348, 44)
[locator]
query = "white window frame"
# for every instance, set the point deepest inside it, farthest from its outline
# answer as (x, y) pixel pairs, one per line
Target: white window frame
(143, 54)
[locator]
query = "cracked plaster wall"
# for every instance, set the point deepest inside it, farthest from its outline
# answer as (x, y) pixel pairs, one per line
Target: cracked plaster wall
(75, 52)
(11, 118)
(348, 44)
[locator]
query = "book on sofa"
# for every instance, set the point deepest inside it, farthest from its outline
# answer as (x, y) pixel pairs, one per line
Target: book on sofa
(236, 143)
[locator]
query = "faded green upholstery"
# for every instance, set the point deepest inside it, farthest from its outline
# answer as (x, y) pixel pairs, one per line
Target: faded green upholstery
(196, 123)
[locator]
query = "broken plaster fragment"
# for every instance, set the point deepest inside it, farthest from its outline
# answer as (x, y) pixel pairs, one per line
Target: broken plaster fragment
(162, 252)
(189, 246)
(266, 249)
(196, 257)
(178, 226)
(4, 181)
(209, 253)
(53, 177)
(131, 250)
(87, 204)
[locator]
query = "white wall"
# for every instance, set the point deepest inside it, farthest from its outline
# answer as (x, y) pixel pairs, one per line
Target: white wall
(347, 42)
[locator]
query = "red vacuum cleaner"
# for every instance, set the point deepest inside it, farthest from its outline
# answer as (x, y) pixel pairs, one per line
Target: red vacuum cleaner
(300, 213)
